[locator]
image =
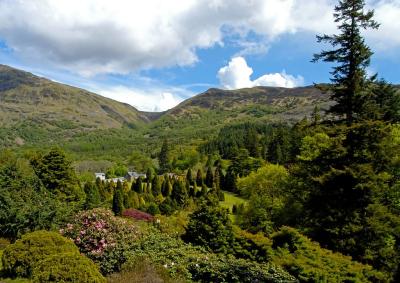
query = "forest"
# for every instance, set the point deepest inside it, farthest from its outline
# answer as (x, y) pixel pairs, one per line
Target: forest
(316, 200)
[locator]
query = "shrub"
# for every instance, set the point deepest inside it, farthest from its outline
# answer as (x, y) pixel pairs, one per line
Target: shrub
(48, 257)
(137, 215)
(67, 267)
(194, 263)
(101, 236)
(209, 226)
(21, 257)
(308, 262)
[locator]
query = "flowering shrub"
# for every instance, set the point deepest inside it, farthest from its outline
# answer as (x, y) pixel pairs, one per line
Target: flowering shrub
(138, 215)
(102, 237)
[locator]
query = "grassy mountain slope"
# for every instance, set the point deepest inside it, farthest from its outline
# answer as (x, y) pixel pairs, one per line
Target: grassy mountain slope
(28, 102)
(204, 114)
(36, 112)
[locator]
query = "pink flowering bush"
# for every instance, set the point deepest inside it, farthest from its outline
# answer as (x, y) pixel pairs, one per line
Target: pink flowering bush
(138, 215)
(102, 237)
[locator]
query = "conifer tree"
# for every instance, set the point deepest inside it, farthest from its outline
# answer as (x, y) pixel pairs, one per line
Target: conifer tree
(138, 187)
(164, 158)
(92, 196)
(118, 201)
(349, 77)
(166, 188)
(156, 186)
(199, 178)
(230, 181)
(209, 178)
(189, 176)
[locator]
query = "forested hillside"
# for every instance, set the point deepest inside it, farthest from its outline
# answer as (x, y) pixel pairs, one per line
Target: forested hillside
(260, 184)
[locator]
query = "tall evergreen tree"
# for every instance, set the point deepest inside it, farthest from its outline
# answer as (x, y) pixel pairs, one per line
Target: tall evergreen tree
(118, 201)
(92, 196)
(230, 181)
(156, 186)
(164, 158)
(349, 77)
(199, 178)
(138, 187)
(57, 175)
(209, 178)
(189, 176)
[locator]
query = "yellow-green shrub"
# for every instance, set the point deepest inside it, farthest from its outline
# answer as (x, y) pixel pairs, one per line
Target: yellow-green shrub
(48, 257)
(66, 267)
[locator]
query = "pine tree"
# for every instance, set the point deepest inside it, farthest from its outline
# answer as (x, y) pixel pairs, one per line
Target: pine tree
(349, 77)
(209, 178)
(164, 158)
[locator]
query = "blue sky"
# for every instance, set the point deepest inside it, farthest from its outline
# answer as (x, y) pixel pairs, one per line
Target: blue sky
(156, 53)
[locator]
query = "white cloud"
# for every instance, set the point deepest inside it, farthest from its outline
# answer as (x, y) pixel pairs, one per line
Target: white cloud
(145, 100)
(120, 36)
(237, 75)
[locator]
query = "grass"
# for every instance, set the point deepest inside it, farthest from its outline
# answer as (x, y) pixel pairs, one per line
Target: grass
(230, 200)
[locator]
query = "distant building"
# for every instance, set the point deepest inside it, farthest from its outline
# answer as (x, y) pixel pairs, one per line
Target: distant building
(130, 176)
(102, 176)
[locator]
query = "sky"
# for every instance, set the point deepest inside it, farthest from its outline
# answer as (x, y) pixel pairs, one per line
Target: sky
(153, 54)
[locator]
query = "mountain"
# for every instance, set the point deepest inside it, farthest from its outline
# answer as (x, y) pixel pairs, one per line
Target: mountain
(40, 112)
(203, 115)
(28, 101)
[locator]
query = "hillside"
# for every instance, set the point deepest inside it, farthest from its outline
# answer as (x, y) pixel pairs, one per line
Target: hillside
(37, 112)
(28, 101)
(202, 115)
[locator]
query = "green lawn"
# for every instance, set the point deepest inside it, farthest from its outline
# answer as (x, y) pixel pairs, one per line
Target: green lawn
(230, 200)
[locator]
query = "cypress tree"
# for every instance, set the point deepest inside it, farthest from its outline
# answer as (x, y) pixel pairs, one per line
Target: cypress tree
(92, 196)
(230, 181)
(164, 157)
(118, 202)
(138, 187)
(189, 176)
(166, 188)
(209, 178)
(199, 178)
(349, 77)
(156, 186)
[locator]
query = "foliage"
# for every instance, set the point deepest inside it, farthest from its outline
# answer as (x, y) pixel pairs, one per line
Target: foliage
(209, 226)
(164, 158)
(308, 262)
(193, 263)
(118, 200)
(92, 196)
(102, 237)
(24, 204)
(57, 175)
(266, 192)
(352, 55)
(137, 215)
(67, 267)
(141, 270)
(48, 257)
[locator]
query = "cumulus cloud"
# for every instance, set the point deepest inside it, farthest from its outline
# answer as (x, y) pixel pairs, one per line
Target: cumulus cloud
(237, 75)
(153, 100)
(119, 36)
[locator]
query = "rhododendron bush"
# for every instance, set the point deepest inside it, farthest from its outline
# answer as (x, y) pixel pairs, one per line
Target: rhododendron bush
(102, 237)
(138, 215)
